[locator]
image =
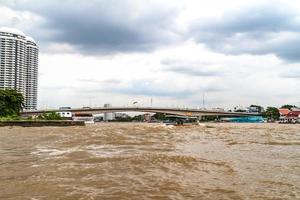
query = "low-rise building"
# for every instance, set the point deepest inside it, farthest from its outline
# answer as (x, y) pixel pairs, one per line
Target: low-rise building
(86, 117)
(108, 116)
(65, 114)
(243, 119)
(289, 116)
(121, 115)
(255, 109)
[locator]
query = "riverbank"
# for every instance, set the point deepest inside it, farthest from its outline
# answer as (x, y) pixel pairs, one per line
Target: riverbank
(41, 123)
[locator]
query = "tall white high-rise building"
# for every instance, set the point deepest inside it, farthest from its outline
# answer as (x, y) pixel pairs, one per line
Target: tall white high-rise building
(19, 64)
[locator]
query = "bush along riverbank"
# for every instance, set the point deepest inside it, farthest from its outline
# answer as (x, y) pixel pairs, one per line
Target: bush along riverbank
(47, 119)
(40, 123)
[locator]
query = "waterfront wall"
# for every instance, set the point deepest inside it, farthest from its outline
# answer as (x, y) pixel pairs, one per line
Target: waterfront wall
(41, 123)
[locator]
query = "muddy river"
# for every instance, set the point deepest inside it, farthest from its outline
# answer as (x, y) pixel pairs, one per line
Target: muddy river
(150, 161)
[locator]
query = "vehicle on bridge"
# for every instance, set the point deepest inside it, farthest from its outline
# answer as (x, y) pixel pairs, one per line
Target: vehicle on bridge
(65, 108)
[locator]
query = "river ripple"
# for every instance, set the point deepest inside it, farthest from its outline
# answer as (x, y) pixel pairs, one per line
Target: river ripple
(151, 161)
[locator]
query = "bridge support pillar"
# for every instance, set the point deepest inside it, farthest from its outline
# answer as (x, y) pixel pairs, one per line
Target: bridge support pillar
(199, 118)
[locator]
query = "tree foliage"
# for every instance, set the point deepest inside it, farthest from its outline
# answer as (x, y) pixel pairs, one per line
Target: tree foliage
(159, 116)
(288, 106)
(123, 119)
(138, 118)
(209, 118)
(272, 113)
(11, 103)
(50, 116)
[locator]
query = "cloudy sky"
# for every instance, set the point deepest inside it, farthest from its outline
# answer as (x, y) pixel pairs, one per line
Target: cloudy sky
(234, 52)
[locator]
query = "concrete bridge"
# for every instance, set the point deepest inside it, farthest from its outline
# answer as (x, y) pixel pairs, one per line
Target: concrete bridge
(171, 111)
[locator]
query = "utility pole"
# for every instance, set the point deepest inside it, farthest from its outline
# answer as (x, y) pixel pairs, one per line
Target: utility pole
(203, 101)
(90, 101)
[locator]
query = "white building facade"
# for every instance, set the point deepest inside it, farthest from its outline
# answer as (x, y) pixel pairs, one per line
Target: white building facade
(108, 116)
(19, 65)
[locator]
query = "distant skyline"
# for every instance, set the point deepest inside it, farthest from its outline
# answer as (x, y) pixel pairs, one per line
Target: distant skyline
(172, 51)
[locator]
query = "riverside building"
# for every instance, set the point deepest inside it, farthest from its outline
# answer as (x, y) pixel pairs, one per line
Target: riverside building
(108, 116)
(19, 64)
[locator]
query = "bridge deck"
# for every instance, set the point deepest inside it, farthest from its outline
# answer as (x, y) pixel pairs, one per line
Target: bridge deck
(172, 111)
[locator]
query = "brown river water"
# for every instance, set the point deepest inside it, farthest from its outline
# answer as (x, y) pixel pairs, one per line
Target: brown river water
(150, 161)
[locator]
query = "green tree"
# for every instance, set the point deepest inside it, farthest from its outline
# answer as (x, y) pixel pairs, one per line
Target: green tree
(288, 106)
(123, 119)
(138, 118)
(11, 103)
(159, 116)
(209, 118)
(50, 116)
(272, 113)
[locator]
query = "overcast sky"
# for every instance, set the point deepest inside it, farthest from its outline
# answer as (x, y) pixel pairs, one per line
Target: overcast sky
(233, 52)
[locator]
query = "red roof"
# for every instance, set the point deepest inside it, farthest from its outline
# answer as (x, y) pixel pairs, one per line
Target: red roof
(293, 114)
(284, 111)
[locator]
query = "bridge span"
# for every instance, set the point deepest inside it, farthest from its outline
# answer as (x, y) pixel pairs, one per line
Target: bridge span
(171, 111)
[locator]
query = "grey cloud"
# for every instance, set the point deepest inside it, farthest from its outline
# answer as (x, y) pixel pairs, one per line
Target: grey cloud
(143, 90)
(269, 29)
(148, 91)
(104, 82)
(192, 72)
(259, 19)
(201, 69)
(150, 88)
(100, 26)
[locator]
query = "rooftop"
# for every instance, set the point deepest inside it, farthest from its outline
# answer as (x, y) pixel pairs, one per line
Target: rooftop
(284, 111)
(12, 30)
(16, 32)
(30, 39)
